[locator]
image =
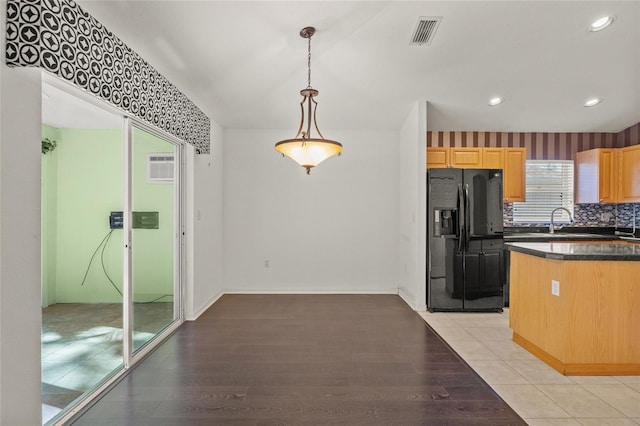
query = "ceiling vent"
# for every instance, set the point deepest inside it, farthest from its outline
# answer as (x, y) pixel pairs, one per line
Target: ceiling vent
(425, 30)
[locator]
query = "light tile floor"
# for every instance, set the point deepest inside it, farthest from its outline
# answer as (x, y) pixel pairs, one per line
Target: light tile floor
(538, 393)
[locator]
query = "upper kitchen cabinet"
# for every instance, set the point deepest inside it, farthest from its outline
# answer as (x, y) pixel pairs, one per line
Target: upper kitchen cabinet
(596, 176)
(466, 158)
(510, 160)
(437, 157)
(629, 186)
(492, 158)
(515, 174)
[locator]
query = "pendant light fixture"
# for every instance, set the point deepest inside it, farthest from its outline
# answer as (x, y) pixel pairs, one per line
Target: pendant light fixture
(304, 149)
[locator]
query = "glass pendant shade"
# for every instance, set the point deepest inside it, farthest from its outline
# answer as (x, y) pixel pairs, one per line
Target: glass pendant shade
(304, 149)
(309, 152)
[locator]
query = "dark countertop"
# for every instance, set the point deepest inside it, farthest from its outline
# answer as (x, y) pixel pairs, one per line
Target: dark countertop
(578, 251)
(530, 234)
(556, 236)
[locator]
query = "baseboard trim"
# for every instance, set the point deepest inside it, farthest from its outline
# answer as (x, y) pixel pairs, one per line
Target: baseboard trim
(408, 297)
(206, 306)
(300, 291)
(404, 296)
(574, 369)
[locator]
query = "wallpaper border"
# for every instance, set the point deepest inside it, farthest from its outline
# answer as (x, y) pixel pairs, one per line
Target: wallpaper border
(62, 38)
(539, 145)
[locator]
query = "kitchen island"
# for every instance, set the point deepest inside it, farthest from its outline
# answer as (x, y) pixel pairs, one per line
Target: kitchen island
(577, 306)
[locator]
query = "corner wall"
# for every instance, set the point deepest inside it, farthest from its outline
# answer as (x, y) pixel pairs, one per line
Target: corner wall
(412, 201)
(207, 227)
(20, 294)
(334, 231)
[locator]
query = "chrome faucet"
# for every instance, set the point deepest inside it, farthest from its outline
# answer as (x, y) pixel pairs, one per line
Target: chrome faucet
(552, 226)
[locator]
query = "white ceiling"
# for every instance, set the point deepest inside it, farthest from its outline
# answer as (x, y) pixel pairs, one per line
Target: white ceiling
(243, 63)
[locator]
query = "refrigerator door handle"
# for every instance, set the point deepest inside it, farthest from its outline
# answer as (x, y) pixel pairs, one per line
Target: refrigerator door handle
(467, 217)
(461, 236)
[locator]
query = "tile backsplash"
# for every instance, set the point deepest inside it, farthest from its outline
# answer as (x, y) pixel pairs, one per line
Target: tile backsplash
(610, 215)
(625, 215)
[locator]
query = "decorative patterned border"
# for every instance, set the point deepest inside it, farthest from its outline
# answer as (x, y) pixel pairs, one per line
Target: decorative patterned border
(60, 37)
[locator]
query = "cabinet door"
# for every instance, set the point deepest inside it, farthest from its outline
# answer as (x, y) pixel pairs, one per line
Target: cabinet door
(629, 187)
(607, 175)
(596, 176)
(493, 158)
(586, 177)
(437, 157)
(466, 158)
(515, 174)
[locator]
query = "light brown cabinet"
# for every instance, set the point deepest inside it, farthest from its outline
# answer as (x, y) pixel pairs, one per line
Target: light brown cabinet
(492, 158)
(608, 175)
(437, 158)
(629, 174)
(466, 158)
(589, 327)
(511, 160)
(515, 174)
(596, 176)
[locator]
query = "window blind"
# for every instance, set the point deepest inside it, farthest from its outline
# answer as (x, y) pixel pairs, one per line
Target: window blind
(549, 185)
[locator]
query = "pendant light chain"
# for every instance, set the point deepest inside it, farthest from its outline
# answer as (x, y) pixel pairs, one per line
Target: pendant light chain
(309, 63)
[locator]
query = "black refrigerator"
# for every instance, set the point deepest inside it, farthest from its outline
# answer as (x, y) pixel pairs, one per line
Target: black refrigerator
(465, 247)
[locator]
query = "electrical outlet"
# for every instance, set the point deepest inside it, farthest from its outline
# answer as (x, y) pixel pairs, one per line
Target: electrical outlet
(605, 217)
(555, 287)
(266, 263)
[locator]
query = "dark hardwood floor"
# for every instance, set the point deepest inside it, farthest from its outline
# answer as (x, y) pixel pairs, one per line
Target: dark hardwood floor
(303, 359)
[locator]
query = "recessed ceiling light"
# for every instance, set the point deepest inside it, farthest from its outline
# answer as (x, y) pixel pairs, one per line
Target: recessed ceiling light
(495, 101)
(592, 102)
(601, 24)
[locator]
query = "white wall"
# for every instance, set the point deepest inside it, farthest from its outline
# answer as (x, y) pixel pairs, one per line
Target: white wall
(334, 231)
(412, 205)
(20, 294)
(207, 226)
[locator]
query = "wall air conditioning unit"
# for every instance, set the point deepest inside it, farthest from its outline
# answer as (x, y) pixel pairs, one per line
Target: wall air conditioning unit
(161, 167)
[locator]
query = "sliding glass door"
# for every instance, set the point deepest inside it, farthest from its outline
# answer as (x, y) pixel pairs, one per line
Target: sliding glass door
(154, 234)
(111, 238)
(82, 250)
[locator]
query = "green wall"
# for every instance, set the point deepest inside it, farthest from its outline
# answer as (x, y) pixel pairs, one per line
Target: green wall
(82, 184)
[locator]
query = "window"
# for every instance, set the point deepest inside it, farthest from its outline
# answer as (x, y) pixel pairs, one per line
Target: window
(549, 185)
(160, 168)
